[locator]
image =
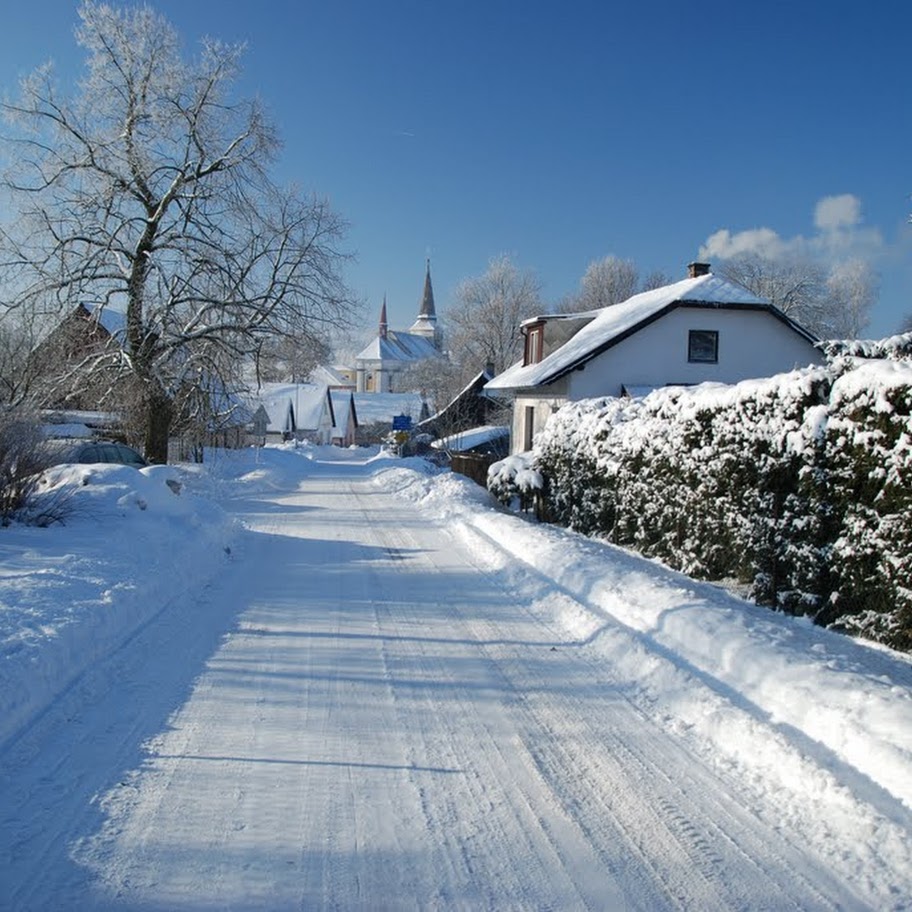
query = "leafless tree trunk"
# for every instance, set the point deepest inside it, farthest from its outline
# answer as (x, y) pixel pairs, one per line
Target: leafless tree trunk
(148, 192)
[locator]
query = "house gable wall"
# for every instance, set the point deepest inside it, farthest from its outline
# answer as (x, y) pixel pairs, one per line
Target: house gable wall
(752, 343)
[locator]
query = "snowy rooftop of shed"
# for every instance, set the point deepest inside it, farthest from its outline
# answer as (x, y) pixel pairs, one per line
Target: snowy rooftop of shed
(114, 321)
(466, 440)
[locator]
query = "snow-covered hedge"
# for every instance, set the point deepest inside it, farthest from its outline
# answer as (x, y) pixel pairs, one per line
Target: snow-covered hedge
(798, 485)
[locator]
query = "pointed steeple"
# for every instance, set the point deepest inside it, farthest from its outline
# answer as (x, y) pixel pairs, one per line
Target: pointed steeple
(384, 326)
(426, 324)
(427, 299)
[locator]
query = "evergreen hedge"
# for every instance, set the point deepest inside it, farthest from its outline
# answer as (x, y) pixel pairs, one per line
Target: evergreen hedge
(797, 486)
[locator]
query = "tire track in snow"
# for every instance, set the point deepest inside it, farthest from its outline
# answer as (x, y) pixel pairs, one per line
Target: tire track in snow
(530, 586)
(678, 856)
(511, 842)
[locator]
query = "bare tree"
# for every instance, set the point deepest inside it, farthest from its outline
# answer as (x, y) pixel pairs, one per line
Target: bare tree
(831, 304)
(852, 290)
(794, 285)
(18, 380)
(291, 358)
(655, 280)
(607, 281)
(148, 191)
(483, 322)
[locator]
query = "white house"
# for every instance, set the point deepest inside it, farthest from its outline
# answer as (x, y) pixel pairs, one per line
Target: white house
(703, 328)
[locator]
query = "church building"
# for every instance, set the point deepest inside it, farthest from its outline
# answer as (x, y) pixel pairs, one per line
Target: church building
(379, 366)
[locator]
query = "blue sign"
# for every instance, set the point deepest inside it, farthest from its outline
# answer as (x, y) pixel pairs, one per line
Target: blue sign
(402, 422)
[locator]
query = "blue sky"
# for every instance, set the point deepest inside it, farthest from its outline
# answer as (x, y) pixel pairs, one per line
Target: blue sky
(559, 133)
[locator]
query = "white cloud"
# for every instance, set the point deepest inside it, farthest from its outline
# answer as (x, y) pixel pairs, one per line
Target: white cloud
(834, 212)
(839, 235)
(724, 245)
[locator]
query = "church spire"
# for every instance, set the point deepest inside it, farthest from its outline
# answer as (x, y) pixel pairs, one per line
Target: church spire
(384, 326)
(427, 299)
(426, 324)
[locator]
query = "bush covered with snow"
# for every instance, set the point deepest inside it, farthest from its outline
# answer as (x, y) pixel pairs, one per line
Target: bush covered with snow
(516, 483)
(797, 485)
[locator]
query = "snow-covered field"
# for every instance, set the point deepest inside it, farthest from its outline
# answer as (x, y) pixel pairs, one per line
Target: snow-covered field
(324, 679)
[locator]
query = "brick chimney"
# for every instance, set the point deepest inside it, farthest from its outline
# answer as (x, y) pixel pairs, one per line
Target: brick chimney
(695, 270)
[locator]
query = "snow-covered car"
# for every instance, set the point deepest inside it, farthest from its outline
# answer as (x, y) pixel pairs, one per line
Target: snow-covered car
(108, 451)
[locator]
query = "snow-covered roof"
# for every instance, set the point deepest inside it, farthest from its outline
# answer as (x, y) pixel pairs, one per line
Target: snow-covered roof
(617, 321)
(467, 440)
(66, 431)
(399, 346)
(308, 400)
(477, 382)
(330, 376)
(342, 402)
(381, 407)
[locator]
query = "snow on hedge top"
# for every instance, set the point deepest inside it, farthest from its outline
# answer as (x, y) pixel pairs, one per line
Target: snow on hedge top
(617, 319)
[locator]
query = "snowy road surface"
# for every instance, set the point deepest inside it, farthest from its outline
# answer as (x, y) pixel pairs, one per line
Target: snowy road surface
(370, 712)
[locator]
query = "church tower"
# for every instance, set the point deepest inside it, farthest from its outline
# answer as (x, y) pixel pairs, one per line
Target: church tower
(426, 324)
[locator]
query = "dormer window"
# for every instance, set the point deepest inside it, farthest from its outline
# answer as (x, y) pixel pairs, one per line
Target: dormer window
(535, 344)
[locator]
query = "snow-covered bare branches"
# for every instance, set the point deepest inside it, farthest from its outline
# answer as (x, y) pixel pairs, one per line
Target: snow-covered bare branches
(483, 322)
(607, 281)
(826, 281)
(149, 190)
(833, 302)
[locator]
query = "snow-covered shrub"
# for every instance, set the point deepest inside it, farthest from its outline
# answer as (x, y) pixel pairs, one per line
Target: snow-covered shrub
(515, 482)
(797, 485)
(22, 456)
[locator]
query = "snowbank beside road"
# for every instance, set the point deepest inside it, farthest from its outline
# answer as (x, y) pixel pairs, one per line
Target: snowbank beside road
(130, 542)
(71, 593)
(846, 703)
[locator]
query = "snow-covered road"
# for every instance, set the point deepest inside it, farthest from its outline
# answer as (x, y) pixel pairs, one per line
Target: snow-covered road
(368, 712)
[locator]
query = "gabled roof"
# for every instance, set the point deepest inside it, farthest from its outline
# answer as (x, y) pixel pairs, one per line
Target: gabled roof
(343, 405)
(469, 393)
(308, 403)
(399, 346)
(618, 321)
(381, 407)
(331, 377)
